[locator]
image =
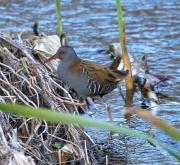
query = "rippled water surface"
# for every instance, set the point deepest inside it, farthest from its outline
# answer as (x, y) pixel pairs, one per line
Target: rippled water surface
(152, 28)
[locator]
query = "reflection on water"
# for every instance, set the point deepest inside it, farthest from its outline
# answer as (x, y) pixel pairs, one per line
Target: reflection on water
(152, 29)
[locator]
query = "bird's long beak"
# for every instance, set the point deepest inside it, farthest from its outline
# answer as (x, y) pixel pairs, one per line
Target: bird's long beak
(56, 56)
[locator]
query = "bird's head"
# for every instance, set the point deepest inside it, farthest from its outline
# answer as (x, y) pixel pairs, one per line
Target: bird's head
(65, 53)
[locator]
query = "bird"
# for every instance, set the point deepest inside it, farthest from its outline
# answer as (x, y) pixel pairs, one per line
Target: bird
(88, 79)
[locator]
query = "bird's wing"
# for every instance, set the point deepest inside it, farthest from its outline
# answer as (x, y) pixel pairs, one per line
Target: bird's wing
(102, 75)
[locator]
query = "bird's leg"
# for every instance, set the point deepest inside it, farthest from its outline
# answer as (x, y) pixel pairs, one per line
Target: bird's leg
(90, 103)
(107, 108)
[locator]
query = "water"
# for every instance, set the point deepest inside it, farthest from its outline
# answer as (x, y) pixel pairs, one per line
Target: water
(152, 28)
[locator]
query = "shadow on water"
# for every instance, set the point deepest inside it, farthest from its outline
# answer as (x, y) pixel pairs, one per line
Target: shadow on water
(152, 29)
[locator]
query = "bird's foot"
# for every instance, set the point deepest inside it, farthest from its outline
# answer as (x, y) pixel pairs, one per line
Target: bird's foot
(93, 112)
(110, 136)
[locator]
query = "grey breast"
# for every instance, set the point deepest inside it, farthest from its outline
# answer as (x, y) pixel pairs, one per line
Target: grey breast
(76, 81)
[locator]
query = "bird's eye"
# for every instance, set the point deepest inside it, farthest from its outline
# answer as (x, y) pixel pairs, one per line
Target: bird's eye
(62, 52)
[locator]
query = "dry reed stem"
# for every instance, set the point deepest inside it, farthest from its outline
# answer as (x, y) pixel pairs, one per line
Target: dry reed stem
(125, 57)
(24, 79)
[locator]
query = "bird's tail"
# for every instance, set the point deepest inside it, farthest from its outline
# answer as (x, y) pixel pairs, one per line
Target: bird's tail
(120, 74)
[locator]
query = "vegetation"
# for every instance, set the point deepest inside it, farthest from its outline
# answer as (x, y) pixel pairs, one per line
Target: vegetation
(129, 79)
(59, 20)
(66, 118)
(53, 134)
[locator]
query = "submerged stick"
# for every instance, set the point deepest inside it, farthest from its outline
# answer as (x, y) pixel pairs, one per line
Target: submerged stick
(160, 123)
(129, 79)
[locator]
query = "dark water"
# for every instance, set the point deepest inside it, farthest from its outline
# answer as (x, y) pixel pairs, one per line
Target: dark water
(152, 28)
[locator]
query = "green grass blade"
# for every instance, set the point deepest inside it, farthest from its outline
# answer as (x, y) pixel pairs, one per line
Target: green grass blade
(58, 15)
(120, 17)
(66, 118)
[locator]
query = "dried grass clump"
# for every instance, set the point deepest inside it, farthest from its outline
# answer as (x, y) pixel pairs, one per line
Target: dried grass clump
(24, 79)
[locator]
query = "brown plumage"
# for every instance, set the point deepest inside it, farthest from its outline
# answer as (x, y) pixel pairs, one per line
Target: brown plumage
(115, 63)
(87, 78)
(105, 79)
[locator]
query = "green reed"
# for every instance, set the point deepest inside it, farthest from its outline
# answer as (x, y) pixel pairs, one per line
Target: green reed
(67, 118)
(59, 20)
